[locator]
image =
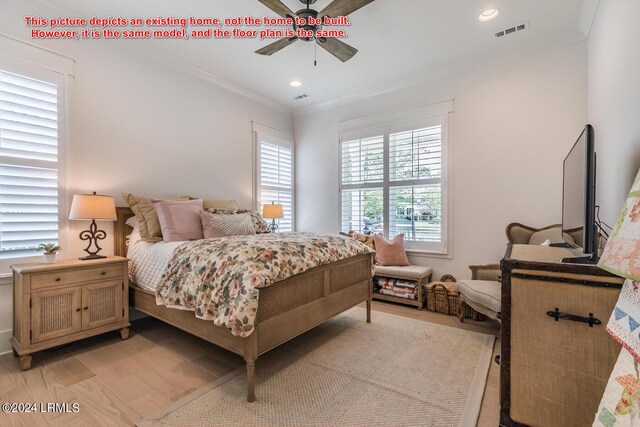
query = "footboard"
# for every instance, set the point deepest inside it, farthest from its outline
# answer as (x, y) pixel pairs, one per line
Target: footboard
(295, 305)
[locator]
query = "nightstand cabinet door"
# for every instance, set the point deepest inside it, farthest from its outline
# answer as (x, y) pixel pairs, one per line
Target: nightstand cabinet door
(55, 313)
(102, 304)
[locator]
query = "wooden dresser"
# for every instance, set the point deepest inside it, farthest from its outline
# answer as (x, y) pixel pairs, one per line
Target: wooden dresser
(58, 303)
(553, 372)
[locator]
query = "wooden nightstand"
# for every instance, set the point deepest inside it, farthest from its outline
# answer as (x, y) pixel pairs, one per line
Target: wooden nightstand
(58, 303)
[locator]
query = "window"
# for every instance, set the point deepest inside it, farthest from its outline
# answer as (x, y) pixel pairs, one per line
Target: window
(394, 181)
(30, 111)
(275, 177)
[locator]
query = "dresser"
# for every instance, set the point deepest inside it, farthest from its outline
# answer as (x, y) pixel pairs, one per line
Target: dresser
(68, 300)
(556, 355)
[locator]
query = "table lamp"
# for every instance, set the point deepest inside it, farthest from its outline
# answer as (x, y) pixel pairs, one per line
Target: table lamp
(93, 207)
(273, 211)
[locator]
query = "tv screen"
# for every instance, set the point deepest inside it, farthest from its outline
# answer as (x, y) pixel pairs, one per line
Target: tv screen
(579, 186)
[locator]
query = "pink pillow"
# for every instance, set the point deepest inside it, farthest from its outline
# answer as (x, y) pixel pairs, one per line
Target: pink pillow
(179, 220)
(391, 253)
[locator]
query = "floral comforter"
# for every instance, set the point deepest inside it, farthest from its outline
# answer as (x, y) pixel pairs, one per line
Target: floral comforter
(219, 278)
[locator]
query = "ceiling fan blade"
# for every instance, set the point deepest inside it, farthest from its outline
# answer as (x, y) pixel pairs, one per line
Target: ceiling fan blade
(278, 7)
(272, 48)
(343, 7)
(337, 48)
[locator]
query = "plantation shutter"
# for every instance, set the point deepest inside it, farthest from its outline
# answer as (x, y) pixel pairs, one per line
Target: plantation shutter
(415, 184)
(276, 169)
(361, 190)
(393, 177)
(29, 111)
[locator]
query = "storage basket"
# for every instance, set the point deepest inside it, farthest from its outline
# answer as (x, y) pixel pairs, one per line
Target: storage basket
(442, 296)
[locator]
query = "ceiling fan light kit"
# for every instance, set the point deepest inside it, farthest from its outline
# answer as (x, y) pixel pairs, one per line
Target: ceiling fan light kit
(312, 23)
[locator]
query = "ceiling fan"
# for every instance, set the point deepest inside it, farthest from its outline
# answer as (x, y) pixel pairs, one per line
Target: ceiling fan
(337, 8)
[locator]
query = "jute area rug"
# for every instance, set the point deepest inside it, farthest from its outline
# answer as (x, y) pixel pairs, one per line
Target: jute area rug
(393, 372)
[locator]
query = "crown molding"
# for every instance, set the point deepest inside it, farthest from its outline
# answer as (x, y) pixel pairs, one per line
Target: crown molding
(172, 61)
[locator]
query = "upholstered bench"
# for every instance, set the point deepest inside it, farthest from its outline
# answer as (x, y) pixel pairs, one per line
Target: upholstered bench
(414, 273)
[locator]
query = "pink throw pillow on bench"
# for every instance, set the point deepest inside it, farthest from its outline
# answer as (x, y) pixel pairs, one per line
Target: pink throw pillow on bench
(179, 220)
(391, 252)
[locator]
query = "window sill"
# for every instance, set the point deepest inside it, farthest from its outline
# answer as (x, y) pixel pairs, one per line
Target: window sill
(427, 254)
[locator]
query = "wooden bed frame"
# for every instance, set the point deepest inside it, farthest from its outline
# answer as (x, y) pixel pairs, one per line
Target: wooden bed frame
(287, 308)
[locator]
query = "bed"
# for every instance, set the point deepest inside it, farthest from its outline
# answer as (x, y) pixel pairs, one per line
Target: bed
(286, 309)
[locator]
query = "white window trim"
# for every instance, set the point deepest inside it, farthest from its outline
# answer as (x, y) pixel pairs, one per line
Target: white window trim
(440, 113)
(31, 60)
(262, 132)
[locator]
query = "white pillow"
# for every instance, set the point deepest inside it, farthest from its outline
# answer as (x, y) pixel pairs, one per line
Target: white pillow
(135, 236)
(132, 221)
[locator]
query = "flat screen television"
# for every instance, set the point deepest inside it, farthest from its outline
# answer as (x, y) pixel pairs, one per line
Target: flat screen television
(579, 228)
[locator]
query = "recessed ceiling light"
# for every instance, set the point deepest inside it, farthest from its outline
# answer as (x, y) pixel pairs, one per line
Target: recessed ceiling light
(295, 83)
(488, 15)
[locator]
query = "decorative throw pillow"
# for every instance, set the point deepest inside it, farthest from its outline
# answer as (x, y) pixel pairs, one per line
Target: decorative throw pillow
(391, 252)
(217, 204)
(148, 222)
(259, 224)
(221, 225)
(179, 220)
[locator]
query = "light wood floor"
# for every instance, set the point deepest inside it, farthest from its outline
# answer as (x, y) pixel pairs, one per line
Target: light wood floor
(116, 383)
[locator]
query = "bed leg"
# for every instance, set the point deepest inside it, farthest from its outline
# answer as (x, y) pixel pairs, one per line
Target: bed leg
(368, 310)
(251, 380)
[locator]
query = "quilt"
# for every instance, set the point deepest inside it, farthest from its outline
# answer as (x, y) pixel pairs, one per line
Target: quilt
(219, 278)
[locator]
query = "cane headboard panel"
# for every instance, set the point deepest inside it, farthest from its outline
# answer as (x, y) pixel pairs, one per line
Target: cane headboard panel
(121, 230)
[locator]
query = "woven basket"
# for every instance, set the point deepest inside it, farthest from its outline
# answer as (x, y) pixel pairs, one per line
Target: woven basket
(442, 296)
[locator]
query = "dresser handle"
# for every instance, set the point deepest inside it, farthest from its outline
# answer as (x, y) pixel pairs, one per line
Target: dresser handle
(103, 273)
(86, 308)
(78, 309)
(557, 315)
(57, 279)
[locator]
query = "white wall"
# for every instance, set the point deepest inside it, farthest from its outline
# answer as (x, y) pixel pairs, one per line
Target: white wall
(514, 122)
(614, 100)
(140, 126)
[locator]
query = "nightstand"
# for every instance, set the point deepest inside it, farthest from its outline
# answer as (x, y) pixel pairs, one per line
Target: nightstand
(55, 304)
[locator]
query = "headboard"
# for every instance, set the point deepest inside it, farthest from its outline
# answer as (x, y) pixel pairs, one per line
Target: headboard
(121, 230)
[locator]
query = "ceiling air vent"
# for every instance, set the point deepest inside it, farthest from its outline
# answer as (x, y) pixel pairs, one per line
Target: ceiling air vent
(299, 97)
(513, 30)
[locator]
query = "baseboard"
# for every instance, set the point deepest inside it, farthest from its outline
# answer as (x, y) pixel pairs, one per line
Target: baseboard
(5, 345)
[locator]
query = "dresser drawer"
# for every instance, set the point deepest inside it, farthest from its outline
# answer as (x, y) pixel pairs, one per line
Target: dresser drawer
(46, 280)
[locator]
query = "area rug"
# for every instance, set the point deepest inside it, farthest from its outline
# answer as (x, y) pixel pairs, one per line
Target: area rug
(393, 372)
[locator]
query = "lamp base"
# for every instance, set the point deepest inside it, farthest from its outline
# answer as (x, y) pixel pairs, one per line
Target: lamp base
(92, 256)
(92, 235)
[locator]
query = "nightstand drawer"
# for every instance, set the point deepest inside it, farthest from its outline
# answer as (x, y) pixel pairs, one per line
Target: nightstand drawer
(46, 280)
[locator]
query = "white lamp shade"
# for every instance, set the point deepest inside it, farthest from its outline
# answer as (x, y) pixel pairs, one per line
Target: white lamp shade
(272, 211)
(93, 206)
